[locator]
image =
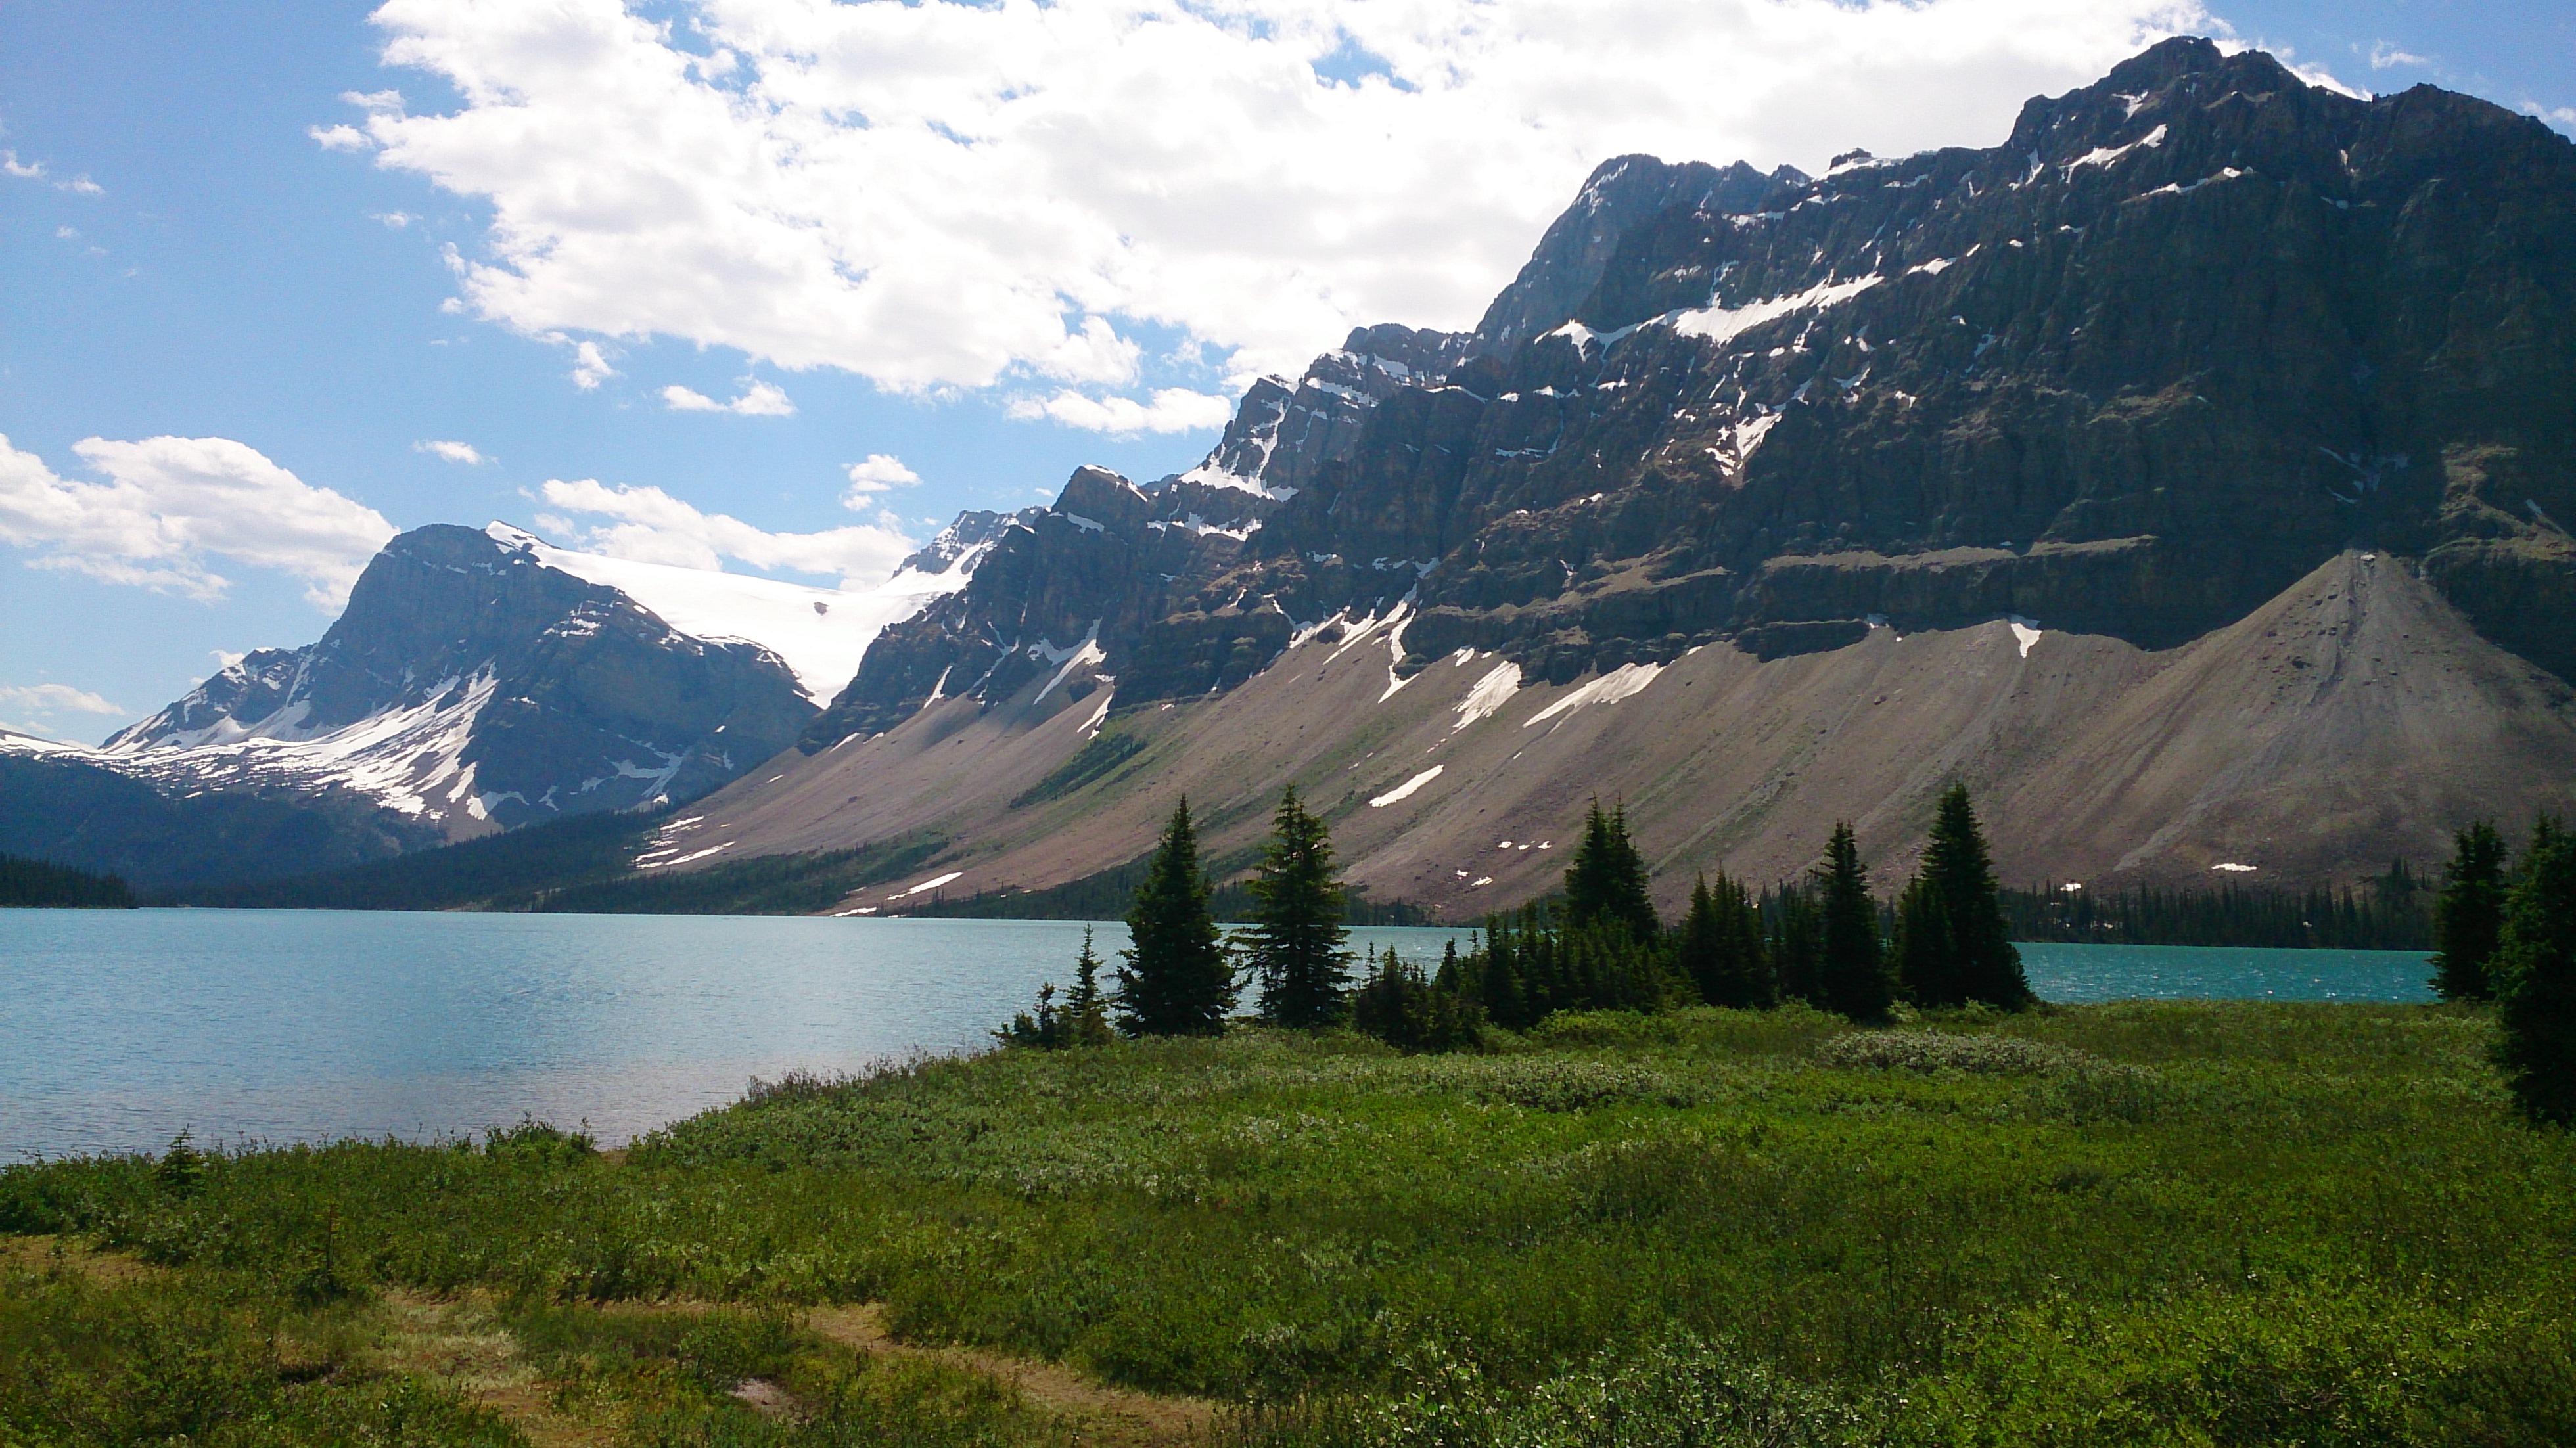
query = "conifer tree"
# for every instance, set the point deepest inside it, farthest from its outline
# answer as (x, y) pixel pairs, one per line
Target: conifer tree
(2468, 917)
(2535, 980)
(1605, 885)
(1086, 1008)
(1719, 946)
(1853, 969)
(1954, 942)
(1177, 981)
(1797, 944)
(1295, 945)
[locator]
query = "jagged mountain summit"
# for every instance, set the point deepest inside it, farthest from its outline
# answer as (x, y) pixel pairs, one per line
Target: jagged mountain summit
(486, 679)
(2189, 342)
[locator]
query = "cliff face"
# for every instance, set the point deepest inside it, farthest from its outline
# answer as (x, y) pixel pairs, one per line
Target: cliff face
(469, 687)
(2185, 335)
(2183, 473)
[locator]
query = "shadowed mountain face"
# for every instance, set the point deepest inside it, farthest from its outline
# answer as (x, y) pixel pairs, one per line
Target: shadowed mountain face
(2184, 336)
(469, 687)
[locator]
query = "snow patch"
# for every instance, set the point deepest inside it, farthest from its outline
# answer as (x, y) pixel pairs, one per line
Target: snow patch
(1623, 682)
(1491, 693)
(2027, 631)
(1719, 324)
(2112, 155)
(2233, 868)
(1406, 789)
(933, 883)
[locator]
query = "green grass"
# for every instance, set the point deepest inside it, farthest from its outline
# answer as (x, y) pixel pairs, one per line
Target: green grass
(2132, 1223)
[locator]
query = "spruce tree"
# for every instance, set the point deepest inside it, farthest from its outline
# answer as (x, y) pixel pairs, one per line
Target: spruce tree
(1177, 981)
(1719, 946)
(1295, 945)
(1954, 942)
(1853, 969)
(1086, 1009)
(2468, 917)
(2535, 980)
(1927, 963)
(1605, 884)
(1797, 944)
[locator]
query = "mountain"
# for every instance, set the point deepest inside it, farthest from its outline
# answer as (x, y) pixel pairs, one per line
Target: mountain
(478, 680)
(2252, 403)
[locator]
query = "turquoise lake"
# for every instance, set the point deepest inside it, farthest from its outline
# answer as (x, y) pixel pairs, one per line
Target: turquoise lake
(120, 1028)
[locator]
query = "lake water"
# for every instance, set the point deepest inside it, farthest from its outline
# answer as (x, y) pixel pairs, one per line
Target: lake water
(118, 1028)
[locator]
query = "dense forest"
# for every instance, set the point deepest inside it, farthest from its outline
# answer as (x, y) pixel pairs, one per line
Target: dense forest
(39, 883)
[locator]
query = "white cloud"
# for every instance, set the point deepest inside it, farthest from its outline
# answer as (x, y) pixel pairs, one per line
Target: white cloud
(394, 220)
(651, 526)
(81, 185)
(454, 452)
(67, 233)
(383, 100)
(1174, 409)
(948, 194)
(171, 504)
(758, 399)
(56, 699)
(339, 138)
(589, 366)
(2383, 56)
(876, 474)
(10, 165)
(226, 658)
(2563, 115)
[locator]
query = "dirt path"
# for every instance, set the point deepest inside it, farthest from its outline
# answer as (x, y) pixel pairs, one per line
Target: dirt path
(1109, 1416)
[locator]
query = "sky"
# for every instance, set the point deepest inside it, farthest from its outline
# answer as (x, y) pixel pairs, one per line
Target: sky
(780, 286)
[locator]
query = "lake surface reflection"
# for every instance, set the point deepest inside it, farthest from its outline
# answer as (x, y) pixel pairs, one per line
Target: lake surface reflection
(118, 1028)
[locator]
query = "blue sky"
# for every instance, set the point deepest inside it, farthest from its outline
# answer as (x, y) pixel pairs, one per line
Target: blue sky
(960, 239)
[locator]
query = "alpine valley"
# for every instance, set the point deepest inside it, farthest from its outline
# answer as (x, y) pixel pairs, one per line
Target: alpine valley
(2182, 474)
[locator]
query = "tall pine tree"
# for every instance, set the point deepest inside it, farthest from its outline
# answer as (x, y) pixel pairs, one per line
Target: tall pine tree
(2535, 979)
(1719, 946)
(1295, 944)
(1854, 979)
(1177, 981)
(1954, 943)
(1605, 885)
(2468, 918)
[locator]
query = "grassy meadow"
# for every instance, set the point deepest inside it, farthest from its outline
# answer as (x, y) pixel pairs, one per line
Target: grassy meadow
(2186, 1223)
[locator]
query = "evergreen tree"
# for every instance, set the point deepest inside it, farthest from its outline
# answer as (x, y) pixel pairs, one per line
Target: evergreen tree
(1399, 1007)
(1295, 945)
(1852, 968)
(1719, 946)
(1086, 1009)
(2535, 979)
(1177, 981)
(1605, 885)
(2468, 918)
(1926, 961)
(1953, 940)
(1797, 938)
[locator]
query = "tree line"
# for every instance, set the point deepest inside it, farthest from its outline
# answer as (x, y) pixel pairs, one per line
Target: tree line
(2385, 913)
(1947, 942)
(43, 883)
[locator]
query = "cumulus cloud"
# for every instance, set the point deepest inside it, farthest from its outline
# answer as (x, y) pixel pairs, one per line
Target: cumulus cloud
(589, 365)
(455, 452)
(876, 474)
(56, 699)
(170, 505)
(2561, 115)
(758, 399)
(338, 138)
(946, 194)
(1173, 409)
(650, 526)
(2384, 56)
